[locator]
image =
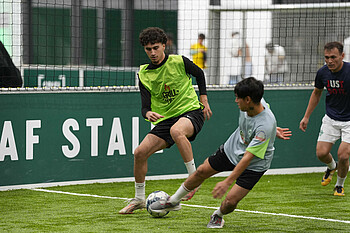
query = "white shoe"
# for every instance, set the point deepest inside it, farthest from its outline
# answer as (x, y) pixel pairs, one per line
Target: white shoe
(134, 204)
(162, 205)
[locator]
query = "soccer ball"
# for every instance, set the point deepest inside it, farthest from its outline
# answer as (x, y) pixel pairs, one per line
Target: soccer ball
(153, 197)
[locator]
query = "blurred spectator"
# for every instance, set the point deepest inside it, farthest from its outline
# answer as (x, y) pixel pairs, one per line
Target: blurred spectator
(275, 63)
(9, 73)
(170, 47)
(199, 52)
(236, 72)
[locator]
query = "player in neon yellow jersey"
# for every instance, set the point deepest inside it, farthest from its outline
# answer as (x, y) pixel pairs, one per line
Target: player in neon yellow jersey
(170, 102)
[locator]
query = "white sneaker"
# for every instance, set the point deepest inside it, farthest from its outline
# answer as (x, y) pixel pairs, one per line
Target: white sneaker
(162, 205)
(134, 204)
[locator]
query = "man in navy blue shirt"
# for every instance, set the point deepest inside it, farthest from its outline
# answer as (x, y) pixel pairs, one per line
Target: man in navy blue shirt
(335, 77)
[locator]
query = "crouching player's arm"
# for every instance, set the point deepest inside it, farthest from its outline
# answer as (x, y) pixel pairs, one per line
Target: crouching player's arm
(222, 187)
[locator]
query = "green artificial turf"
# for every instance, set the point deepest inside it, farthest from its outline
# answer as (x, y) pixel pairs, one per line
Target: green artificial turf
(307, 207)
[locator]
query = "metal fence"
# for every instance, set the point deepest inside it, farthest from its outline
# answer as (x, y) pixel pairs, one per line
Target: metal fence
(60, 43)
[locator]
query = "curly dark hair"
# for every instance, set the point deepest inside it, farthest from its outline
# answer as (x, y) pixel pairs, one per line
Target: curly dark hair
(152, 35)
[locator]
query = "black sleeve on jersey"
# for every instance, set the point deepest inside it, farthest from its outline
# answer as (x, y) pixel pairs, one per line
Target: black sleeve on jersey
(145, 99)
(197, 72)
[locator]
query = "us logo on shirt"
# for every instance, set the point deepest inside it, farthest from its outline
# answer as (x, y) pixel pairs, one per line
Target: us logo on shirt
(261, 136)
(335, 87)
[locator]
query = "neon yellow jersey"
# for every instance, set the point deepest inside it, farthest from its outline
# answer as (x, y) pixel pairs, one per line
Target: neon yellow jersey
(172, 93)
(197, 56)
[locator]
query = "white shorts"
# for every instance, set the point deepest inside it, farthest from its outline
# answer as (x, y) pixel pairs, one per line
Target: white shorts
(331, 130)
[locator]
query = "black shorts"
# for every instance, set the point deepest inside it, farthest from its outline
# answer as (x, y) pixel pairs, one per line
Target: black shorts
(162, 129)
(219, 162)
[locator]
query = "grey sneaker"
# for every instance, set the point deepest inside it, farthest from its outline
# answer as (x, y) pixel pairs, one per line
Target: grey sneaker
(162, 205)
(134, 204)
(216, 222)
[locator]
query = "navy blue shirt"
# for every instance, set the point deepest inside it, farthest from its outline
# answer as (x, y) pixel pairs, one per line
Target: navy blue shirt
(338, 91)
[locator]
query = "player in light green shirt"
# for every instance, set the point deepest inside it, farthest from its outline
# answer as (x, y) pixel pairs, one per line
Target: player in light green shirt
(255, 134)
(247, 154)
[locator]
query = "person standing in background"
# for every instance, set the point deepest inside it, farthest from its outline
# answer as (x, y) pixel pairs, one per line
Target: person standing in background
(275, 64)
(235, 70)
(170, 47)
(199, 52)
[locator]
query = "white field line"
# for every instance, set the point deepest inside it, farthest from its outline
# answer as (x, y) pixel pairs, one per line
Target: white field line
(275, 214)
(200, 206)
(79, 194)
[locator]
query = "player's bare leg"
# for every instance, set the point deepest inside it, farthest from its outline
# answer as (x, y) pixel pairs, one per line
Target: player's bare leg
(148, 146)
(180, 132)
(323, 154)
(343, 159)
(343, 168)
(235, 195)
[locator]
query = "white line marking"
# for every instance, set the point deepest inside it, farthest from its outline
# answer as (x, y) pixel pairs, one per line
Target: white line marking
(79, 194)
(199, 206)
(275, 214)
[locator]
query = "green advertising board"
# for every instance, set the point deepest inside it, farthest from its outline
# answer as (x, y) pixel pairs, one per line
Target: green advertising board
(77, 77)
(70, 136)
(49, 77)
(109, 78)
